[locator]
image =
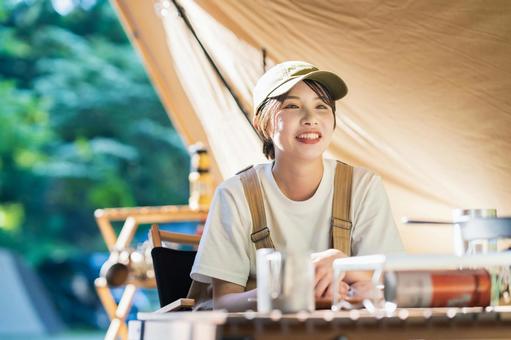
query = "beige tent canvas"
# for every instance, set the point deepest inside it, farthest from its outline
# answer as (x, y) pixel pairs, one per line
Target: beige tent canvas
(428, 108)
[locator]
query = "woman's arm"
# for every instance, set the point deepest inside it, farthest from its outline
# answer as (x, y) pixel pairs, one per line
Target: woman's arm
(223, 255)
(233, 297)
(374, 230)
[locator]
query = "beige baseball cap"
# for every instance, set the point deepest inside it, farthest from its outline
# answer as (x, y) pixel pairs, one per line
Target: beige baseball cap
(282, 77)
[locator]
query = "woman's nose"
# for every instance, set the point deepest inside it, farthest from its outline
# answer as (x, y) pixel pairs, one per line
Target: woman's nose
(309, 118)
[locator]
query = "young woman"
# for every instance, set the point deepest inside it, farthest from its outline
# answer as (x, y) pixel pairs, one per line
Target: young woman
(294, 105)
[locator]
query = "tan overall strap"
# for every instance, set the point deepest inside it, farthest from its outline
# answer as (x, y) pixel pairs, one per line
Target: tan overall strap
(341, 205)
(260, 232)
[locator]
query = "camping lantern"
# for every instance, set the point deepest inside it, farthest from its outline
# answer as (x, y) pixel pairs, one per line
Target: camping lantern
(201, 185)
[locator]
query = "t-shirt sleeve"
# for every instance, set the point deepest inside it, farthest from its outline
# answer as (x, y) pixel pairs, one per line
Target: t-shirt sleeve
(222, 252)
(374, 229)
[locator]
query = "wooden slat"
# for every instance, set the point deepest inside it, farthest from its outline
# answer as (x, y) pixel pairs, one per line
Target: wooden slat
(154, 236)
(179, 237)
(126, 301)
(157, 236)
(169, 212)
(117, 326)
(127, 233)
(106, 297)
(106, 229)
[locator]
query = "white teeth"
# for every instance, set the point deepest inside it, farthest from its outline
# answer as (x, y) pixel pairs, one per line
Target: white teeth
(309, 136)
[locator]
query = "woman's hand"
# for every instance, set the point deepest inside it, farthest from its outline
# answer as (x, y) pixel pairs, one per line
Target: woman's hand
(323, 262)
(362, 290)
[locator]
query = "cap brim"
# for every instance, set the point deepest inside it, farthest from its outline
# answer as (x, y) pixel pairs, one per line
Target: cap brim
(335, 85)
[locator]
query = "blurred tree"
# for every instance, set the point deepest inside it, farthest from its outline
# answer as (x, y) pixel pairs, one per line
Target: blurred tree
(80, 128)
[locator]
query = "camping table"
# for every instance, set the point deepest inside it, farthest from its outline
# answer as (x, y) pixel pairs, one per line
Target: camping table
(459, 323)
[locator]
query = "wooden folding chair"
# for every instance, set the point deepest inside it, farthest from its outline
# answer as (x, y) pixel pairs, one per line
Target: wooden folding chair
(172, 268)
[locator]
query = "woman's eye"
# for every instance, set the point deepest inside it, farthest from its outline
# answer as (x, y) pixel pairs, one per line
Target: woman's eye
(290, 106)
(321, 106)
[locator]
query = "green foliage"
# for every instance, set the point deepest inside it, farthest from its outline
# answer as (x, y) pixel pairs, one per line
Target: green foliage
(81, 128)
(11, 216)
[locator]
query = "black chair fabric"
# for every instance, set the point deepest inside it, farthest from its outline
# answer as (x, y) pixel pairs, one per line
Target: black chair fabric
(172, 272)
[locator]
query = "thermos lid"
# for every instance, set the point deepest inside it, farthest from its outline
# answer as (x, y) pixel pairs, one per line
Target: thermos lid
(463, 215)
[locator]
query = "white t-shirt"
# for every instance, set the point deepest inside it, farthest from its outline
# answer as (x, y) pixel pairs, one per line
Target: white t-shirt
(227, 253)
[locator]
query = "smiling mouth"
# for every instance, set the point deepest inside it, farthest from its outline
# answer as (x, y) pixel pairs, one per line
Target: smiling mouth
(309, 137)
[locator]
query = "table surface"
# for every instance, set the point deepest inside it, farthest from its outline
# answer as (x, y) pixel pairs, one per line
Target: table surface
(412, 323)
(220, 317)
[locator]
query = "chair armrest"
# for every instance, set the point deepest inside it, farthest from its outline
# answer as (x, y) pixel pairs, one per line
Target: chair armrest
(178, 305)
(179, 237)
(156, 236)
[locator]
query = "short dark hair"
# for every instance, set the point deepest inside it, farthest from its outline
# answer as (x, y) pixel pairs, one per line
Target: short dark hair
(270, 106)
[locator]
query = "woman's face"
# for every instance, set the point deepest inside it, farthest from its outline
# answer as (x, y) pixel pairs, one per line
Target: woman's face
(303, 125)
